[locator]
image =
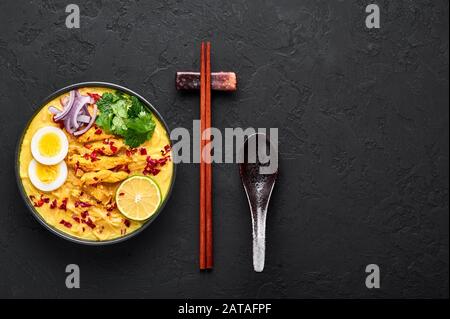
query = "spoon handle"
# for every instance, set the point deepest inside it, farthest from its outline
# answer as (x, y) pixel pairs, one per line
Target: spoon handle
(259, 238)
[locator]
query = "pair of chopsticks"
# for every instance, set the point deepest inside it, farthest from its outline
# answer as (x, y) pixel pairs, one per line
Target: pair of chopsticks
(206, 240)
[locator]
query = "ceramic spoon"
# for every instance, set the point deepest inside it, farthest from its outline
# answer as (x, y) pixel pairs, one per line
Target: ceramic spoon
(258, 188)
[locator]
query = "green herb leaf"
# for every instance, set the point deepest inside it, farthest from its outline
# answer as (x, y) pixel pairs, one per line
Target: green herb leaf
(136, 107)
(142, 124)
(120, 108)
(134, 139)
(104, 120)
(104, 103)
(125, 116)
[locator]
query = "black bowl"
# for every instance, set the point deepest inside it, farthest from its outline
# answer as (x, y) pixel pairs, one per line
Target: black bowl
(32, 208)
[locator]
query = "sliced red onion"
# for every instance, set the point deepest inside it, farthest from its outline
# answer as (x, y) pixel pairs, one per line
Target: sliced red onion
(82, 118)
(67, 107)
(79, 104)
(69, 129)
(54, 110)
(75, 113)
(88, 126)
(85, 108)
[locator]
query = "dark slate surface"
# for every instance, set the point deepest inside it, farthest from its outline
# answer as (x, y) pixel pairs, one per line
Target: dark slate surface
(363, 119)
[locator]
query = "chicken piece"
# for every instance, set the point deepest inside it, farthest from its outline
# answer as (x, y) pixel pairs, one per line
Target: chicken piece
(99, 193)
(92, 135)
(111, 148)
(100, 162)
(103, 176)
(77, 149)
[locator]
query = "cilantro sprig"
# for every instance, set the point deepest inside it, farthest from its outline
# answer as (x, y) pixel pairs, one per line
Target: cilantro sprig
(126, 116)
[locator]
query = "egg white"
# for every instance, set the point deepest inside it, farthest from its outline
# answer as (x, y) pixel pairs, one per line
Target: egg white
(35, 146)
(47, 187)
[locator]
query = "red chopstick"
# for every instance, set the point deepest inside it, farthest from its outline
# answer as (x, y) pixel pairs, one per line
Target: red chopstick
(202, 261)
(208, 173)
(206, 224)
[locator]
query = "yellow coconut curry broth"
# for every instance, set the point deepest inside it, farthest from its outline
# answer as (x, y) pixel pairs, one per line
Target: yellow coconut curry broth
(84, 206)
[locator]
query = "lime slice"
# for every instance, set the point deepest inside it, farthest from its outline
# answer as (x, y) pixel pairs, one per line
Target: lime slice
(138, 197)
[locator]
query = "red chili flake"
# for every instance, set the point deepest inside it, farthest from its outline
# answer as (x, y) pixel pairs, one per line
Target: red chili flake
(166, 150)
(86, 156)
(32, 197)
(152, 165)
(155, 171)
(126, 169)
(143, 151)
(77, 167)
(98, 131)
(67, 224)
(63, 204)
(95, 96)
(151, 161)
(89, 222)
(121, 194)
(131, 151)
(84, 214)
(93, 156)
(43, 200)
(100, 151)
(82, 204)
(39, 203)
(110, 207)
(106, 141)
(162, 161)
(126, 222)
(77, 219)
(117, 168)
(54, 204)
(113, 148)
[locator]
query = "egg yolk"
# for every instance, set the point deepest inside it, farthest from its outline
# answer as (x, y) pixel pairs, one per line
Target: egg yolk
(46, 173)
(49, 145)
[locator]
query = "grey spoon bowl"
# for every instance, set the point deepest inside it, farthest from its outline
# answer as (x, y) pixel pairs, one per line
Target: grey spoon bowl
(258, 180)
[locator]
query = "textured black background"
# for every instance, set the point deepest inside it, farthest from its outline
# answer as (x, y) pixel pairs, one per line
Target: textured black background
(364, 142)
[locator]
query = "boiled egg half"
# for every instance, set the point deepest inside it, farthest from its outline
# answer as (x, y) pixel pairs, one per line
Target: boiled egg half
(47, 178)
(49, 145)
